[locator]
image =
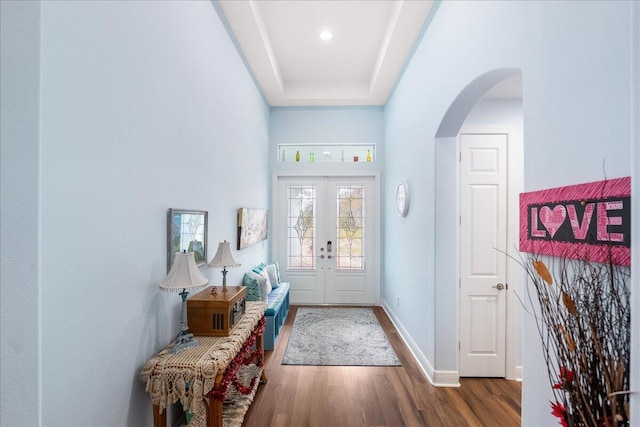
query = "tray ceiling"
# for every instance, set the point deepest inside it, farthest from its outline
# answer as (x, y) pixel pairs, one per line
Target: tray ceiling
(359, 65)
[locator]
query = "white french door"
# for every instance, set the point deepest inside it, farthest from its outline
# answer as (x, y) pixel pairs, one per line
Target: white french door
(326, 237)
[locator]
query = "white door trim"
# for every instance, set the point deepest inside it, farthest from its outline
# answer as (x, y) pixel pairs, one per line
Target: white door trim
(332, 174)
(515, 276)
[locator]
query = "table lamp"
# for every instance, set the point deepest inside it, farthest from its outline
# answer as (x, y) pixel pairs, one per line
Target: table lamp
(184, 274)
(223, 259)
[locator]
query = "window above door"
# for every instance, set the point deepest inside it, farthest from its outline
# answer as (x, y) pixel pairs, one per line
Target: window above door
(311, 153)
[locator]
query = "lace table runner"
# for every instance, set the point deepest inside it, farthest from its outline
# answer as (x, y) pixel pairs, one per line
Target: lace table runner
(188, 376)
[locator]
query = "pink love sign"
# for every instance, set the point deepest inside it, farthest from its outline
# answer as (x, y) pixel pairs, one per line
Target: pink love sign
(552, 219)
(587, 221)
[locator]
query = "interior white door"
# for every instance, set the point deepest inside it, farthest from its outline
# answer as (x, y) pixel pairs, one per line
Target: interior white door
(326, 238)
(483, 234)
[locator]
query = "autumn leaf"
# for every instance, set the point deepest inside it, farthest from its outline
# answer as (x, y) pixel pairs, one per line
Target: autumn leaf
(569, 303)
(542, 271)
(571, 345)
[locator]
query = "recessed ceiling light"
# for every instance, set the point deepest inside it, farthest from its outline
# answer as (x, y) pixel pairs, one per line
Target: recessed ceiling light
(326, 35)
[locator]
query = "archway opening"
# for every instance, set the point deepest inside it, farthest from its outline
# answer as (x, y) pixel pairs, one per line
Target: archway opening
(486, 101)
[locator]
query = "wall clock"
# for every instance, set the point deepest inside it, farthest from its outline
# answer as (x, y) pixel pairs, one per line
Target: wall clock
(402, 198)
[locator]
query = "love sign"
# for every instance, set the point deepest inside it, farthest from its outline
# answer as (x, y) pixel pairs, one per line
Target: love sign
(587, 221)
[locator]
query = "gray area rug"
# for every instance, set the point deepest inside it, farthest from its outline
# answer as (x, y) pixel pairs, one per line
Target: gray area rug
(338, 336)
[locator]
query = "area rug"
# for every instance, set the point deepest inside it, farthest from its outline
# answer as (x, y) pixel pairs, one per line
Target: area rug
(338, 336)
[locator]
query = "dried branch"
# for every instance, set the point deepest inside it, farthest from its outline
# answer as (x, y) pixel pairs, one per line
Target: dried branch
(584, 323)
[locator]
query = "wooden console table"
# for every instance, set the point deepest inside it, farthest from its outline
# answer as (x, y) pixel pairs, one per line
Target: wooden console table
(202, 375)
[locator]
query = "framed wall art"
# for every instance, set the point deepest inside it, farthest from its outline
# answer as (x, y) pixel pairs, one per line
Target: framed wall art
(252, 226)
(187, 230)
(589, 221)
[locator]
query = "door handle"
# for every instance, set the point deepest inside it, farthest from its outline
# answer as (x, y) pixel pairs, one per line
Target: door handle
(499, 286)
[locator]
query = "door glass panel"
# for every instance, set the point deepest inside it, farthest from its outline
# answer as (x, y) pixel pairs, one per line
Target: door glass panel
(350, 227)
(301, 227)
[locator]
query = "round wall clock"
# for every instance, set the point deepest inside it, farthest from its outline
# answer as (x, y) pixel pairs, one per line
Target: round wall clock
(402, 198)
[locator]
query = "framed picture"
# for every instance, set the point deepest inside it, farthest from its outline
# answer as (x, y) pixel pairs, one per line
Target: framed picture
(187, 230)
(590, 221)
(252, 226)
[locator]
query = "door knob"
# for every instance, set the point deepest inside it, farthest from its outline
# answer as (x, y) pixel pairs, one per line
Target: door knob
(321, 256)
(499, 286)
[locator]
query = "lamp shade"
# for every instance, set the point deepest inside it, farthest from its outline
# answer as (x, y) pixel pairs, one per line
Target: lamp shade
(184, 274)
(224, 257)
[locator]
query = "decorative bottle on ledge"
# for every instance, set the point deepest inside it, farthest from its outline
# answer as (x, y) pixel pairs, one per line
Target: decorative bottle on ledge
(297, 156)
(368, 155)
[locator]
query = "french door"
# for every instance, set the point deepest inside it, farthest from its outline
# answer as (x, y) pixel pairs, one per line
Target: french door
(326, 237)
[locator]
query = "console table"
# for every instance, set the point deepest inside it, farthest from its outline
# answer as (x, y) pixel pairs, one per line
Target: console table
(202, 375)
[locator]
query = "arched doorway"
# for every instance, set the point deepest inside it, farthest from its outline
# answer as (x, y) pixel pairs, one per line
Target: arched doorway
(449, 254)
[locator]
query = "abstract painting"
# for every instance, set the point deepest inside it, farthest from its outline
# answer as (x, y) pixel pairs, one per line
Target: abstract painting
(252, 226)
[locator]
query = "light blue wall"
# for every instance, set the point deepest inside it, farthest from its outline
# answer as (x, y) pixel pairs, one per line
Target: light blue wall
(497, 112)
(574, 108)
(326, 125)
(635, 238)
(323, 125)
(19, 268)
(144, 106)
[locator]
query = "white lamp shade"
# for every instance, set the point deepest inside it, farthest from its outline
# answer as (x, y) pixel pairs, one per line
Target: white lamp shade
(184, 274)
(224, 257)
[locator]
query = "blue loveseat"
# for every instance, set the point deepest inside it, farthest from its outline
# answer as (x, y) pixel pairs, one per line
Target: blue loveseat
(263, 284)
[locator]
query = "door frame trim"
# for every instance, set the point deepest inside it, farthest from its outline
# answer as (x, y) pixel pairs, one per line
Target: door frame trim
(276, 175)
(515, 276)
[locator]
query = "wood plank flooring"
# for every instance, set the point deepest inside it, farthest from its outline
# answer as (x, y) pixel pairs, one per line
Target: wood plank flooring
(336, 396)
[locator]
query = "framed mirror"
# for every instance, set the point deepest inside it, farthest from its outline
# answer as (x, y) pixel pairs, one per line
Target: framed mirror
(187, 230)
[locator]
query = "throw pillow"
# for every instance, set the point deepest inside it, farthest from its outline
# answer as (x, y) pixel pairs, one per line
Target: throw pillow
(277, 266)
(251, 281)
(258, 268)
(265, 285)
(273, 275)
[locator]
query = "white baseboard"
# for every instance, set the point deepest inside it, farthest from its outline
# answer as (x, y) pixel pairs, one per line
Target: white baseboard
(436, 378)
(446, 379)
(518, 373)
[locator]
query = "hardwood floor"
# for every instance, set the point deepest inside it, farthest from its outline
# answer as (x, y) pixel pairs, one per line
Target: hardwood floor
(336, 396)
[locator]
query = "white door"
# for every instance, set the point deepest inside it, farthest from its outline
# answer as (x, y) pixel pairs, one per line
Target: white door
(483, 234)
(325, 239)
